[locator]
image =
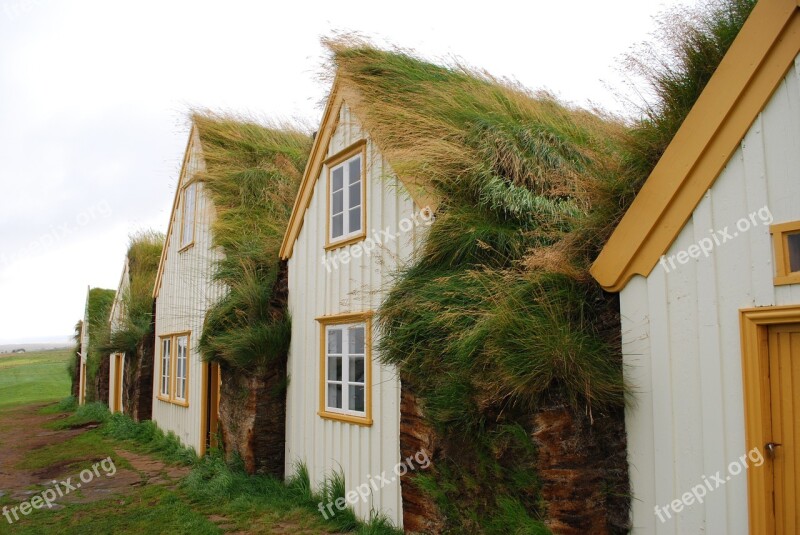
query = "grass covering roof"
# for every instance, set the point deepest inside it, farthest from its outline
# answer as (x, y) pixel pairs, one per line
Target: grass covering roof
(99, 307)
(516, 174)
(143, 256)
(497, 315)
(252, 174)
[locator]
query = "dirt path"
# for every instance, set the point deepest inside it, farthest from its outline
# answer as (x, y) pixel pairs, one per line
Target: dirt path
(24, 429)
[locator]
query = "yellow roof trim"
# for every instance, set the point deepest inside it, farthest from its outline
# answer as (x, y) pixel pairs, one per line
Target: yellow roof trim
(319, 153)
(162, 262)
(743, 83)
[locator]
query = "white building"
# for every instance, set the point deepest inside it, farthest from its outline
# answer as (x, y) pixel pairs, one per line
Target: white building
(185, 400)
(711, 329)
(343, 405)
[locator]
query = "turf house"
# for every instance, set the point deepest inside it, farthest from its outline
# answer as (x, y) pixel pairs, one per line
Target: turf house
(90, 372)
(131, 341)
(220, 329)
(442, 311)
(706, 262)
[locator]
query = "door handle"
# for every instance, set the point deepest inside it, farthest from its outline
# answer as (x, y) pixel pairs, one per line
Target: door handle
(770, 447)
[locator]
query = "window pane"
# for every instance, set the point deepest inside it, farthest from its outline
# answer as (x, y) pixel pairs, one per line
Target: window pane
(334, 368)
(335, 396)
(355, 195)
(354, 174)
(356, 398)
(794, 251)
(356, 369)
(338, 178)
(337, 228)
(338, 202)
(187, 233)
(335, 341)
(355, 219)
(356, 338)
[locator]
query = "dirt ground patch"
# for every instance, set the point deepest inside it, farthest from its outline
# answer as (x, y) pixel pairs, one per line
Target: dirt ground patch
(24, 430)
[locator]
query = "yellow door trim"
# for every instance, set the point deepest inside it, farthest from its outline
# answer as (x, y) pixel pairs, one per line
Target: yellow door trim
(755, 323)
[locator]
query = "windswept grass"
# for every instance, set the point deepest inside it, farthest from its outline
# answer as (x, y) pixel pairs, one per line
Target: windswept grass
(497, 315)
(144, 254)
(252, 176)
(100, 301)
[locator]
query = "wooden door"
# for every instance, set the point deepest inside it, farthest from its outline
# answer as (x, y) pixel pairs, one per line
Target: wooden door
(782, 449)
(118, 363)
(211, 396)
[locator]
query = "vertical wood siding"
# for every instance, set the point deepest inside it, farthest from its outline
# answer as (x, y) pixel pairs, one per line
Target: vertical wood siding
(327, 445)
(681, 332)
(187, 292)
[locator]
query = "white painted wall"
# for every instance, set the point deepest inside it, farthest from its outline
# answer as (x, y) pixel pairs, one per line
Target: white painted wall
(187, 292)
(117, 315)
(327, 445)
(681, 332)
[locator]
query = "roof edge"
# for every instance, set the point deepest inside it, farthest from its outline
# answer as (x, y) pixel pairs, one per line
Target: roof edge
(746, 78)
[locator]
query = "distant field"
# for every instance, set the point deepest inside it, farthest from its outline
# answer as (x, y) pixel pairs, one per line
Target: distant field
(34, 377)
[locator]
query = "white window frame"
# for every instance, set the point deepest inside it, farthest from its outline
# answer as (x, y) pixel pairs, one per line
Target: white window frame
(165, 375)
(342, 161)
(171, 366)
(188, 217)
(345, 323)
(181, 368)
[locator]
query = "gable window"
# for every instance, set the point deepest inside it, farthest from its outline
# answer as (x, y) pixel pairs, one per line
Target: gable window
(188, 215)
(346, 196)
(174, 370)
(345, 368)
(786, 245)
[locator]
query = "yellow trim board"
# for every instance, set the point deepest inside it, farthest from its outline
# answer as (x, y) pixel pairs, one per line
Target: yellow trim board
(743, 83)
(313, 172)
(194, 137)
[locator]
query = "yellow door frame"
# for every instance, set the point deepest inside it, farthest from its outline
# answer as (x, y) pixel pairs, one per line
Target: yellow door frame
(755, 324)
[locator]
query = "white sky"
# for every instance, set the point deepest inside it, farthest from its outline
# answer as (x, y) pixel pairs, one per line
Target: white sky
(94, 94)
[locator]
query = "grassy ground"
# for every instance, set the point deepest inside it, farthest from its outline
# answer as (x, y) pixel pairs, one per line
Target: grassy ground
(157, 487)
(34, 377)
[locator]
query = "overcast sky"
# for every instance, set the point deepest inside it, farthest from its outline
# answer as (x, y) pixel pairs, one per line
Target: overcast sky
(94, 95)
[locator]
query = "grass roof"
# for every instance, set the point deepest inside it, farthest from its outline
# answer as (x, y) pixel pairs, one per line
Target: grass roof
(144, 254)
(497, 315)
(252, 176)
(99, 307)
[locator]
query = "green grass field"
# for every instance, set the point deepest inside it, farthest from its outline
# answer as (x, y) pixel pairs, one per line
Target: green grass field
(34, 377)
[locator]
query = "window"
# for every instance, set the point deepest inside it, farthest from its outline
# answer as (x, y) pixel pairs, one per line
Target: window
(188, 215)
(174, 373)
(180, 367)
(786, 245)
(164, 390)
(346, 196)
(345, 368)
